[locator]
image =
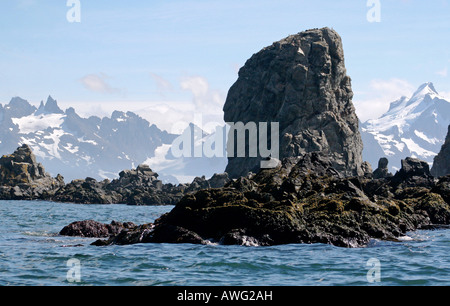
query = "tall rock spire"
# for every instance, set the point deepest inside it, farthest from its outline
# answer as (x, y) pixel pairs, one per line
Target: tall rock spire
(300, 82)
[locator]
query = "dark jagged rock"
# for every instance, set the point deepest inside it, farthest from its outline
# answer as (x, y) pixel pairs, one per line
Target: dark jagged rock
(414, 167)
(300, 82)
(93, 229)
(305, 200)
(441, 165)
(367, 169)
(138, 186)
(218, 180)
(414, 173)
(382, 171)
(141, 186)
(87, 191)
(22, 178)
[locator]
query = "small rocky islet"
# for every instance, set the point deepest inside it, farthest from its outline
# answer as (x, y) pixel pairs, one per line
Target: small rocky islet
(321, 191)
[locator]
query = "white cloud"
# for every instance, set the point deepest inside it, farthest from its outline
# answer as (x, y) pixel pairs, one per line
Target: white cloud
(97, 83)
(207, 102)
(203, 109)
(199, 88)
(375, 102)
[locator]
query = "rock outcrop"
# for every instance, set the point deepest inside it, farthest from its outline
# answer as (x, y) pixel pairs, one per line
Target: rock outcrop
(138, 186)
(141, 186)
(86, 191)
(21, 177)
(300, 82)
(441, 165)
(94, 229)
(382, 171)
(304, 200)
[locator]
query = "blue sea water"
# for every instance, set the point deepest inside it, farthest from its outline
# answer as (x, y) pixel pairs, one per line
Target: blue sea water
(32, 253)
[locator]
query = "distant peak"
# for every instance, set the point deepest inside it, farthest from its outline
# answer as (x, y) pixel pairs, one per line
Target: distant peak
(425, 89)
(19, 107)
(18, 101)
(50, 107)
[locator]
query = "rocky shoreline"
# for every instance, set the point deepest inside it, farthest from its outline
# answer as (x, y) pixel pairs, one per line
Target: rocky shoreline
(22, 178)
(304, 200)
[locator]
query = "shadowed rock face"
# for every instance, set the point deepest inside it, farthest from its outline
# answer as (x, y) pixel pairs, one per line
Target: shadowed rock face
(300, 82)
(441, 165)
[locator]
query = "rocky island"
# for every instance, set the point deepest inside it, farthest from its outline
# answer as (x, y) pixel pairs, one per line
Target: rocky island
(321, 190)
(304, 200)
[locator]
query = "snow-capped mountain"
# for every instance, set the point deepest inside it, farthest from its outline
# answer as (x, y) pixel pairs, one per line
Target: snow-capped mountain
(95, 147)
(414, 127)
(194, 162)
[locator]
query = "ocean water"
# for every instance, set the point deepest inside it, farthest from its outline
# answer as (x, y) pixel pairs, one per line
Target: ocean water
(32, 253)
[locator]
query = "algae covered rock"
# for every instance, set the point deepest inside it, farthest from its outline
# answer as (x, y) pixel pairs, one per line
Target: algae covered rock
(304, 200)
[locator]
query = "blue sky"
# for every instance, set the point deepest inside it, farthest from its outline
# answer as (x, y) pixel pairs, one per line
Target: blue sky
(176, 57)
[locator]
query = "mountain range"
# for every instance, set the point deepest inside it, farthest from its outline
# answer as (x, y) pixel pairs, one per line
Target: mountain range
(413, 126)
(78, 147)
(100, 148)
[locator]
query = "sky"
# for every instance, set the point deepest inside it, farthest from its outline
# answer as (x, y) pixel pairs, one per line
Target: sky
(173, 61)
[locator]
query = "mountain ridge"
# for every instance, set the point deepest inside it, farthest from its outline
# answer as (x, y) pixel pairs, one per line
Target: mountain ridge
(95, 147)
(414, 126)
